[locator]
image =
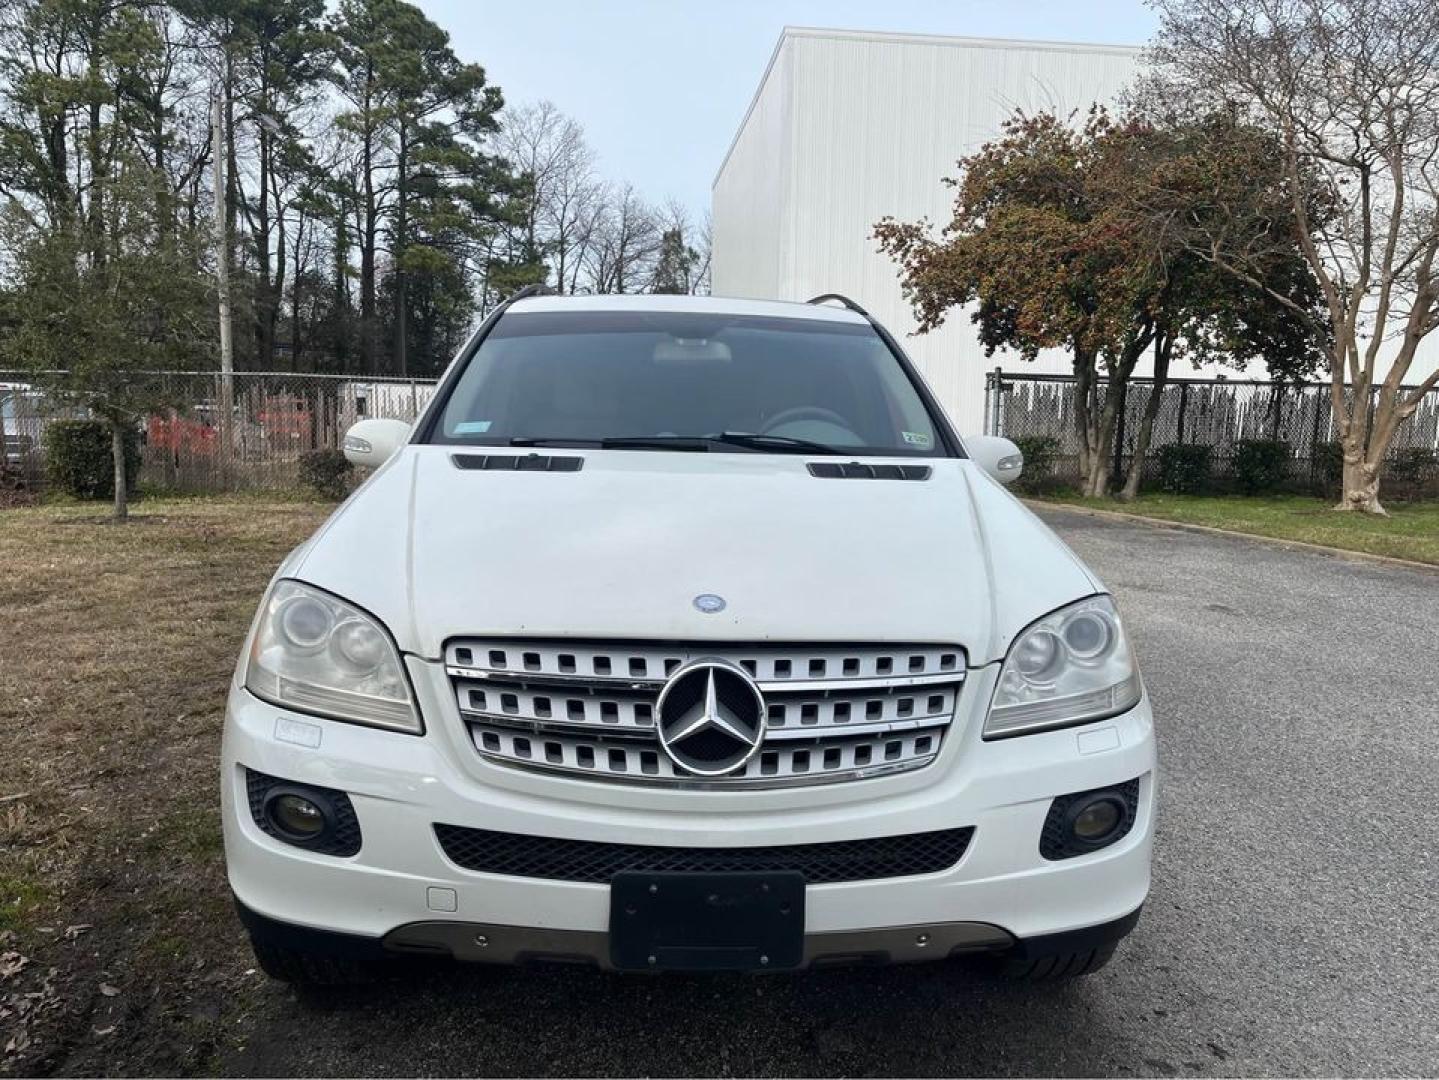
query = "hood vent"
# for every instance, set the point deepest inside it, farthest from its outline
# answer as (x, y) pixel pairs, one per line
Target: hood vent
(856, 470)
(518, 462)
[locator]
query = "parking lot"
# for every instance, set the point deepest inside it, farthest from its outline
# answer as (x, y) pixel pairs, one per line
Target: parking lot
(1291, 928)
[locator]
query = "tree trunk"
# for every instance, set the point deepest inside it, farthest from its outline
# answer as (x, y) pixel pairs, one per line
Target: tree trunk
(1162, 349)
(1096, 482)
(402, 240)
(1102, 433)
(1083, 392)
(117, 452)
(1361, 477)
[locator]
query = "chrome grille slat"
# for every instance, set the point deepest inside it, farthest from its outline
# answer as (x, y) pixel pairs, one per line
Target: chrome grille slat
(649, 662)
(835, 712)
(791, 713)
(778, 765)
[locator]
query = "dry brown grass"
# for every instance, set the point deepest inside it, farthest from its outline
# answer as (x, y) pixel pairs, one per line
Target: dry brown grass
(116, 645)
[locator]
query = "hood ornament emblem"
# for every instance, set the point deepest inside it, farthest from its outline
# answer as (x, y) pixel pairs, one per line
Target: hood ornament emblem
(709, 603)
(711, 718)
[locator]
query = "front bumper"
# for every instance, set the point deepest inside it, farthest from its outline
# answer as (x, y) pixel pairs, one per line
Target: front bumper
(400, 891)
(484, 943)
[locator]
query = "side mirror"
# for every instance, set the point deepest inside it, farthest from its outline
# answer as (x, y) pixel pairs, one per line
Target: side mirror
(373, 442)
(996, 456)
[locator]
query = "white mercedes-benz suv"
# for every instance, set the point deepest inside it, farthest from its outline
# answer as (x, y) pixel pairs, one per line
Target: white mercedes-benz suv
(684, 633)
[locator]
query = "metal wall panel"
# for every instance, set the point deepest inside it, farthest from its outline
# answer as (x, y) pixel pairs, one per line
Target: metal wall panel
(751, 193)
(848, 127)
(878, 122)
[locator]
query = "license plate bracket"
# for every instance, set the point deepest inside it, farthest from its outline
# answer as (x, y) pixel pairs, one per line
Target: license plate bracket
(739, 921)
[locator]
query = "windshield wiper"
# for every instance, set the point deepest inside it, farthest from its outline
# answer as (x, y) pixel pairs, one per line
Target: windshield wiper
(694, 443)
(691, 443)
(782, 443)
(531, 440)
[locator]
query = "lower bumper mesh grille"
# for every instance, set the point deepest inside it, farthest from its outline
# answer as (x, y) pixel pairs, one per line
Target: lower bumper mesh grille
(584, 860)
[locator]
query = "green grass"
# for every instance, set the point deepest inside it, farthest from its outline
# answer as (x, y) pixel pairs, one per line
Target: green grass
(19, 899)
(1410, 532)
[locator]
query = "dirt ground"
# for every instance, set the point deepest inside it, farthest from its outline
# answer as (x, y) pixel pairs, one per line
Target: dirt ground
(116, 644)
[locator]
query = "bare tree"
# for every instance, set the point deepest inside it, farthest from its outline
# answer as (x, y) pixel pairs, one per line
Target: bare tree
(1350, 91)
(549, 147)
(683, 258)
(625, 243)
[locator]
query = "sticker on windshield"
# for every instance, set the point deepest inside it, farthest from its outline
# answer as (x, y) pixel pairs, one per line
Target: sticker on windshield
(917, 438)
(472, 427)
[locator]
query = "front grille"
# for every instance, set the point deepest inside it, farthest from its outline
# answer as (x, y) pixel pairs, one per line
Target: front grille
(834, 712)
(583, 860)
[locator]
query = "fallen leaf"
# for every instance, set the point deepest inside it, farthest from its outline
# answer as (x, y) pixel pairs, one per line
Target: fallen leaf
(108, 990)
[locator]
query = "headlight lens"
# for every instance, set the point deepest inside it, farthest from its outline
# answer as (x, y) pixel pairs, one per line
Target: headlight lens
(315, 653)
(1068, 668)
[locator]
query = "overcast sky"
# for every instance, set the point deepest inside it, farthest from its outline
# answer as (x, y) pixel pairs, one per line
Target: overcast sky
(660, 86)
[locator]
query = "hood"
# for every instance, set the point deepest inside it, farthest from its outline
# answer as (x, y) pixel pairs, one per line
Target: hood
(621, 547)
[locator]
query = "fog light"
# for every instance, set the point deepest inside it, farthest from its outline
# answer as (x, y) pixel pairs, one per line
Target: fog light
(296, 816)
(1083, 822)
(1094, 820)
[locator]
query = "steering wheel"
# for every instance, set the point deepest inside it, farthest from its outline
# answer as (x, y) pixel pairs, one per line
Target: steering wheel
(805, 412)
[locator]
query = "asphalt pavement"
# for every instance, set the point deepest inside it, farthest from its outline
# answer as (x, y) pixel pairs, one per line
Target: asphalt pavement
(1292, 929)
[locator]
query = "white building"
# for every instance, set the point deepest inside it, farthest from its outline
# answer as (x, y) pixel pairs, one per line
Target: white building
(848, 127)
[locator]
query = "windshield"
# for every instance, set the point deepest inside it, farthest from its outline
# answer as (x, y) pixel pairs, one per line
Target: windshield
(584, 377)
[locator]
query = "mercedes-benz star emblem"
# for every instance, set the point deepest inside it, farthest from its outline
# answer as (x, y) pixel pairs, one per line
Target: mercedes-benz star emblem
(710, 717)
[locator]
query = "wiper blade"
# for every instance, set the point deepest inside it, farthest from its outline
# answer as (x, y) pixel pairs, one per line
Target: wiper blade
(531, 440)
(694, 443)
(781, 443)
(691, 443)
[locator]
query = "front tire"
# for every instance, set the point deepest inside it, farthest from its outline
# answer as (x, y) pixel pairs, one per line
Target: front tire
(310, 970)
(1054, 968)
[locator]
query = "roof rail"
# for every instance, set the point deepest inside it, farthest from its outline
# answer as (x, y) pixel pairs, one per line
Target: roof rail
(539, 288)
(825, 298)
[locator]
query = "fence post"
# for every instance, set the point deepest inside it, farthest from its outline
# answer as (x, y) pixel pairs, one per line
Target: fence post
(988, 402)
(1183, 404)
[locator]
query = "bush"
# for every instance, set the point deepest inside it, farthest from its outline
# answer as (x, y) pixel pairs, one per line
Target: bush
(1414, 466)
(1040, 453)
(1326, 465)
(1184, 468)
(1261, 465)
(14, 491)
(328, 472)
(78, 458)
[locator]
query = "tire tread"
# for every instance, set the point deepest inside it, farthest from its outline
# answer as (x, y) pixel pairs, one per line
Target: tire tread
(310, 969)
(1059, 967)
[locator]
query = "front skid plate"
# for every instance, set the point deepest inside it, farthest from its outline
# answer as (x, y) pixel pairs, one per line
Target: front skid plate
(489, 943)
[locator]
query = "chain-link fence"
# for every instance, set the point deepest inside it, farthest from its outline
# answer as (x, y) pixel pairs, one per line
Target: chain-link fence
(1218, 413)
(274, 419)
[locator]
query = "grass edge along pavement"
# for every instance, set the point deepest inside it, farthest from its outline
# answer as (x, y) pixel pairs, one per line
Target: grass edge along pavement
(1410, 535)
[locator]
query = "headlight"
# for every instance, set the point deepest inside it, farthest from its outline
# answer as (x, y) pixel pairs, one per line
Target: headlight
(317, 654)
(1068, 668)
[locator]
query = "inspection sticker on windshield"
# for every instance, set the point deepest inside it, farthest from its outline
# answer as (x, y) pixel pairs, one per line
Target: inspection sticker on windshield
(472, 427)
(917, 438)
